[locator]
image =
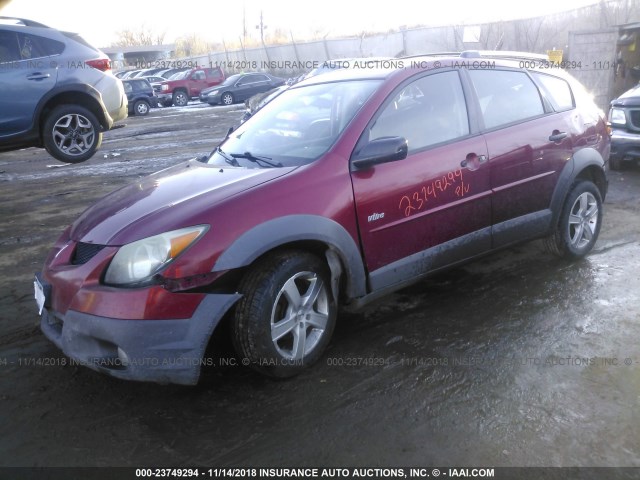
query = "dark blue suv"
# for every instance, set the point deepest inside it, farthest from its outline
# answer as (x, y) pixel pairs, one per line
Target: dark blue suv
(140, 95)
(56, 91)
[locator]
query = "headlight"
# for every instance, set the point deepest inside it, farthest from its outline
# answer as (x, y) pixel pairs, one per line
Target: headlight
(136, 263)
(211, 94)
(164, 87)
(617, 116)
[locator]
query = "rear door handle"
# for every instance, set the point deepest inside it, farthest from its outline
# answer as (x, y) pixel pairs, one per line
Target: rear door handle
(556, 136)
(38, 76)
(473, 161)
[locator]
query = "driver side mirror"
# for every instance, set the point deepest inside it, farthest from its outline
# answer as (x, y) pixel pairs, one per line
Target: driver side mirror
(381, 150)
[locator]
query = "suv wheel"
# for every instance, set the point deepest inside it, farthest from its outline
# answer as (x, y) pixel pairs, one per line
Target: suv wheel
(180, 98)
(141, 107)
(286, 317)
(71, 133)
(615, 164)
(579, 224)
(227, 98)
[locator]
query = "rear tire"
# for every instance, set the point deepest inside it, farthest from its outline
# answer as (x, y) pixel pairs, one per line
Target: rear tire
(579, 224)
(287, 314)
(141, 108)
(71, 133)
(615, 164)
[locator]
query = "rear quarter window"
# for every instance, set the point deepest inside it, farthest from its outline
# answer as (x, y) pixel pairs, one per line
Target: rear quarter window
(557, 91)
(80, 40)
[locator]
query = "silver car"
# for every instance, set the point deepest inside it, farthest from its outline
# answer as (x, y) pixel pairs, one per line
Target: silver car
(56, 91)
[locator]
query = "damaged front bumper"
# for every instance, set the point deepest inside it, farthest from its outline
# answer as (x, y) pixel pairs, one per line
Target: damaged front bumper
(162, 351)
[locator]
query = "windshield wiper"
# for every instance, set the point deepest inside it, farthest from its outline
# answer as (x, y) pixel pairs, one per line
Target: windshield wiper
(230, 160)
(256, 159)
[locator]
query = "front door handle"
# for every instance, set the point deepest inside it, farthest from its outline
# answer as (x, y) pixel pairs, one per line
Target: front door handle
(557, 135)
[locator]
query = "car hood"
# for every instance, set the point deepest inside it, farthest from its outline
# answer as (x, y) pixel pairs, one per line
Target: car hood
(630, 98)
(177, 197)
(210, 89)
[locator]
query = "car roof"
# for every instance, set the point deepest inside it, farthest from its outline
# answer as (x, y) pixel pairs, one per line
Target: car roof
(381, 68)
(21, 22)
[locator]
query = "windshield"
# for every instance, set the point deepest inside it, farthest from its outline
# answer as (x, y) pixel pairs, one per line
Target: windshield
(179, 75)
(295, 128)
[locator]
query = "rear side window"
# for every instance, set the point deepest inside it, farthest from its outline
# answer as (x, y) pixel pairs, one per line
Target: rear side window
(426, 112)
(15, 47)
(251, 79)
(214, 73)
(556, 90)
(506, 96)
(142, 85)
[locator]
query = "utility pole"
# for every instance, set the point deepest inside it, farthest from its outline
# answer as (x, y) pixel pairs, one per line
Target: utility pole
(244, 25)
(262, 27)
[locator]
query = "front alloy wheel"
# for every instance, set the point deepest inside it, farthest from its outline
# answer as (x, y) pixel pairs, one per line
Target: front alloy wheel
(287, 314)
(300, 315)
(227, 98)
(180, 98)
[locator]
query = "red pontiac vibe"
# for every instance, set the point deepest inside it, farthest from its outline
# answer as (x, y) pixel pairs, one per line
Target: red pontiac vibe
(345, 187)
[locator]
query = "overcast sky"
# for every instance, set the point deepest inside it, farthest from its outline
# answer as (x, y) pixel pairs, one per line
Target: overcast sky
(99, 22)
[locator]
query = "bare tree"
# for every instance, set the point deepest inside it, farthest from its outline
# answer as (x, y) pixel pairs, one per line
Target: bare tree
(527, 34)
(143, 36)
(193, 44)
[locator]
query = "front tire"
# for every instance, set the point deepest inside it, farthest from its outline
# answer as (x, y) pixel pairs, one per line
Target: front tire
(180, 98)
(227, 98)
(287, 314)
(71, 133)
(580, 221)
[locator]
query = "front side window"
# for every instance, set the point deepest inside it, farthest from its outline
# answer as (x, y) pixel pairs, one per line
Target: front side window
(428, 111)
(246, 80)
(506, 96)
(295, 128)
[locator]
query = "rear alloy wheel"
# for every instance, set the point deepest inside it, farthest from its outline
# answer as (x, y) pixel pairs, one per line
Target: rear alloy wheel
(286, 317)
(71, 133)
(227, 98)
(579, 224)
(180, 98)
(141, 108)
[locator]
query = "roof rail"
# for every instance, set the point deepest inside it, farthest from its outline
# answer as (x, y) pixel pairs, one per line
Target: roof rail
(485, 53)
(433, 54)
(24, 22)
(504, 54)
